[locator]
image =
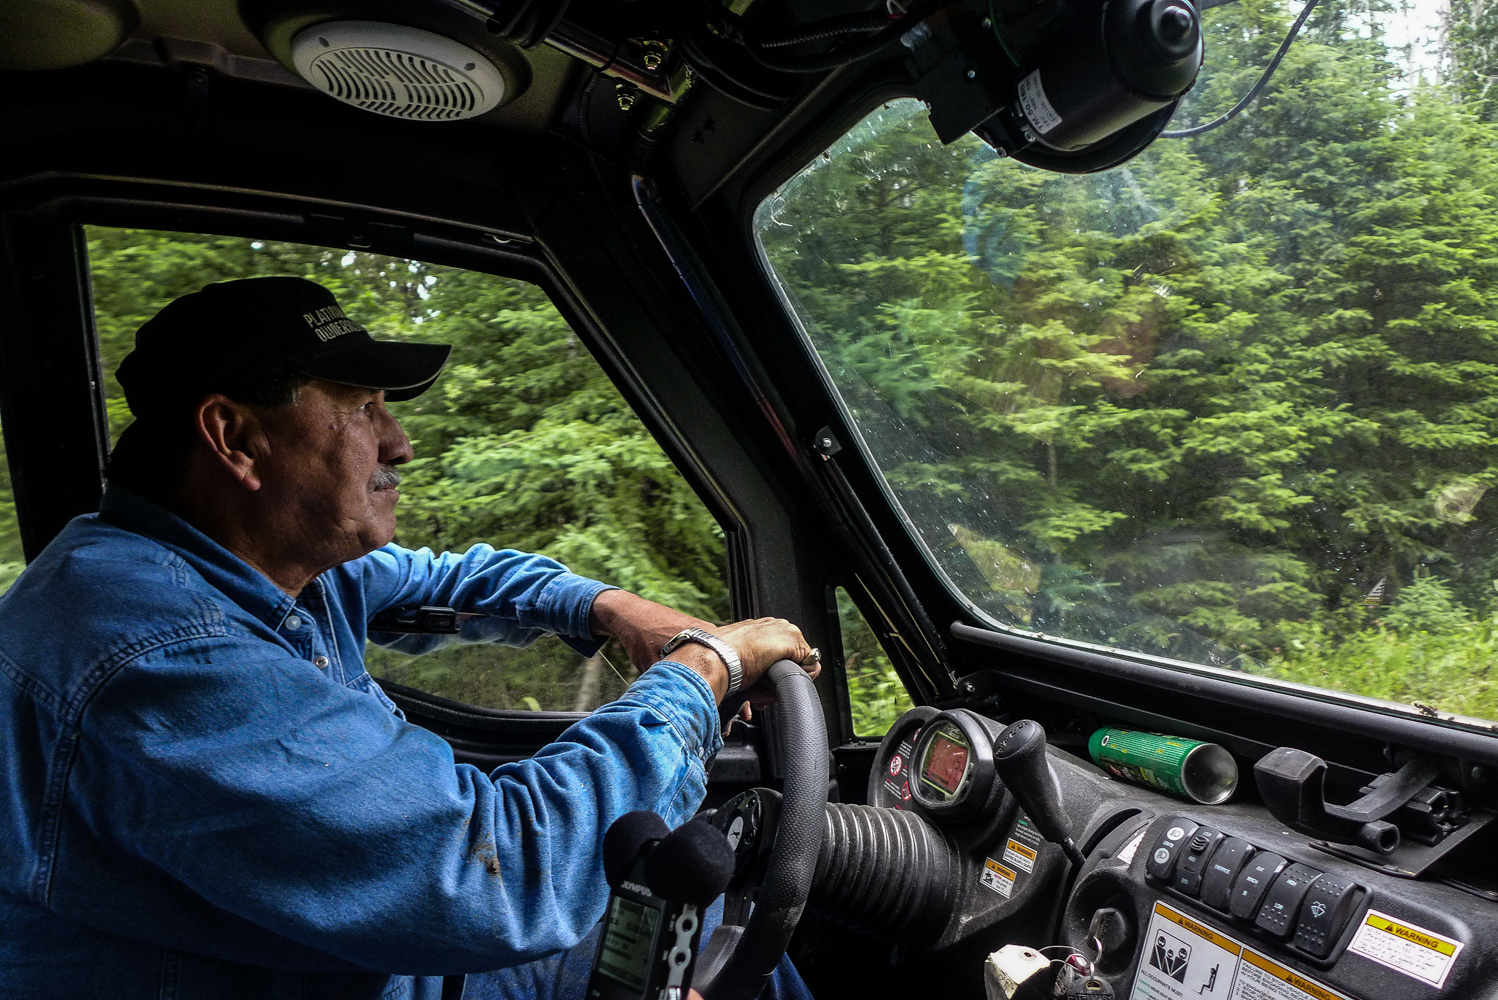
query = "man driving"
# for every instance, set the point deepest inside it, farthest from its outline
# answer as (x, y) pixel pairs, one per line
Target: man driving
(205, 793)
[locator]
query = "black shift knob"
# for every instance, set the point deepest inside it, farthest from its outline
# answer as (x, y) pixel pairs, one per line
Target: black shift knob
(1019, 756)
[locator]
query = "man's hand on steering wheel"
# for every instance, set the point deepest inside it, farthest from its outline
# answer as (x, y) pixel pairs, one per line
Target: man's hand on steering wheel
(643, 627)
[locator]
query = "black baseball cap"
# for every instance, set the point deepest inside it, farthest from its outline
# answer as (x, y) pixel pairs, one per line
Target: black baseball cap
(234, 331)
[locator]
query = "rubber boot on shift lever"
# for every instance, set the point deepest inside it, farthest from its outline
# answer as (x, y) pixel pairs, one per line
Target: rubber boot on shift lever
(1019, 754)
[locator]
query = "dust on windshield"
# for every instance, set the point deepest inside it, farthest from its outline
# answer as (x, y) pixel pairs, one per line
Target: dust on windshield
(1234, 403)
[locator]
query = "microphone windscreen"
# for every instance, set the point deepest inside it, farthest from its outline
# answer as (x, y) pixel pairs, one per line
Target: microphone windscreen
(693, 864)
(623, 840)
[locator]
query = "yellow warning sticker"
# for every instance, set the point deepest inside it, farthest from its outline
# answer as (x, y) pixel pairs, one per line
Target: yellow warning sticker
(1200, 930)
(998, 878)
(1261, 978)
(1184, 959)
(1400, 945)
(1019, 855)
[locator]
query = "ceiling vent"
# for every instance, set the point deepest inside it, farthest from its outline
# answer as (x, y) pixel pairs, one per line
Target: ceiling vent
(398, 71)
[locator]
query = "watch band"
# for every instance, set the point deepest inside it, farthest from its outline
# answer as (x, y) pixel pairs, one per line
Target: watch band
(724, 650)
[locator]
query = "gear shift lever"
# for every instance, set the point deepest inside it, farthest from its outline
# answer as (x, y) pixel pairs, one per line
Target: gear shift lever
(1019, 756)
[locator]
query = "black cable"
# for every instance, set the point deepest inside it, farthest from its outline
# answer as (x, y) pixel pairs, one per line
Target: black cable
(1247, 98)
(834, 27)
(880, 43)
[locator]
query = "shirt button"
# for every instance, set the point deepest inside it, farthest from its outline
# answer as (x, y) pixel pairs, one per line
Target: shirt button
(320, 662)
(293, 623)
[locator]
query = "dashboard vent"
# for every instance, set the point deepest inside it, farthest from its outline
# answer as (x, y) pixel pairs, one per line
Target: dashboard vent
(394, 70)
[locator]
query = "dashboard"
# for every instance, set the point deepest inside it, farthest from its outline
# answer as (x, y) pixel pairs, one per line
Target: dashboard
(1171, 899)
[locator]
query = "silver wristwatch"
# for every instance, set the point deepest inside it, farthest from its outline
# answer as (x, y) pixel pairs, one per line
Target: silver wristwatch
(724, 650)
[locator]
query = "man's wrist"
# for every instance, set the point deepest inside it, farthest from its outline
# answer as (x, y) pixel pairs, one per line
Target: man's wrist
(707, 664)
(705, 637)
(604, 614)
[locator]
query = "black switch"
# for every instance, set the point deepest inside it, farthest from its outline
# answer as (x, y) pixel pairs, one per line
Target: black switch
(1324, 914)
(1193, 863)
(1222, 871)
(1171, 840)
(1253, 882)
(1283, 901)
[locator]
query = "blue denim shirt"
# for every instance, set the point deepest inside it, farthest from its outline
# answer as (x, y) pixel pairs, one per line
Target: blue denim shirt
(206, 795)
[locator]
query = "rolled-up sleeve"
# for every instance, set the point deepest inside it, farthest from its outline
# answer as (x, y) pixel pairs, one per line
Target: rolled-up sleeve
(518, 595)
(308, 810)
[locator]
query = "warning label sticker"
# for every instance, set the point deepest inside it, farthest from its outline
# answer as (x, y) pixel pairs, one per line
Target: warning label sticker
(1261, 978)
(1403, 947)
(896, 780)
(998, 878)
(1024, 833)
(1019, 856)
(1183, 958)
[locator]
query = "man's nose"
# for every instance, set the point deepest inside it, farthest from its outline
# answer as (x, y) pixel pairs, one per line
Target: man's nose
(395, 447)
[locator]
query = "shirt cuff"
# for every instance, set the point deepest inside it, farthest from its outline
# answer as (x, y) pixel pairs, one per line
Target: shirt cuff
(565, 607)
(683, 698)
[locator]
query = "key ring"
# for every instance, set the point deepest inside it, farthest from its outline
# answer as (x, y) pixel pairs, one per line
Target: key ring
(1097, 950)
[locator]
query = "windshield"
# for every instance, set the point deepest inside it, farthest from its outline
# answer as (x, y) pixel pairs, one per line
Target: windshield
(1231, 404)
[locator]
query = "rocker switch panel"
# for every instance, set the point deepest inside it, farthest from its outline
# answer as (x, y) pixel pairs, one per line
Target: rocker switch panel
(1282, 904)
(1222, 871)
(1253, 882)
(1170, 842)
(1193, 863)
(1323, 916)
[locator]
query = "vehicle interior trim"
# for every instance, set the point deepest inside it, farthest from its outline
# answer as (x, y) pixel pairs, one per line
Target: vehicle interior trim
(1306, 705)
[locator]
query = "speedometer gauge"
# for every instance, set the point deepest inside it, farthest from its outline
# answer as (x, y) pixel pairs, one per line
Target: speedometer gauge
(953, 766)
(944, 767)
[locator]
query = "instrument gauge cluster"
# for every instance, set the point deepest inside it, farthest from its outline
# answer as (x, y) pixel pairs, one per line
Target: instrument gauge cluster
(938, 763)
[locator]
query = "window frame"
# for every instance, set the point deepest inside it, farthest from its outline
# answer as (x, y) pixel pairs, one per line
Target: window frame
(66, 332)
(1012, 655)
(51, 384)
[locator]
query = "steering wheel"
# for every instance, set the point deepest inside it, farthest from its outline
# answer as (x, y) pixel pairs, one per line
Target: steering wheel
(776, 840)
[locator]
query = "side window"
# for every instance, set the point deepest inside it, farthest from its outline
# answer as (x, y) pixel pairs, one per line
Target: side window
(876, 695)
(12, 558)
(523, 443)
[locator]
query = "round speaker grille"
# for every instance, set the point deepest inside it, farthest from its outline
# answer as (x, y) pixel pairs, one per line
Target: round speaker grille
(394, 70)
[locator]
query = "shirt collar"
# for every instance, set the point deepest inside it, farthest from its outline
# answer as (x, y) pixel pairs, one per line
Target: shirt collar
(236, 579)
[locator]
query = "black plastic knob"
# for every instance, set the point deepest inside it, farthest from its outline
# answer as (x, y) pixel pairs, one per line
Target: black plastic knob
(1173, 27)
(1019, 755)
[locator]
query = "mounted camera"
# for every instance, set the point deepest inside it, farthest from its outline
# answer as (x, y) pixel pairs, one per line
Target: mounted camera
(1068, 85)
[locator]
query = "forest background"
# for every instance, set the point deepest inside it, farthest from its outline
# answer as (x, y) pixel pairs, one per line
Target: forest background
(1277, 344)
(1234, 403)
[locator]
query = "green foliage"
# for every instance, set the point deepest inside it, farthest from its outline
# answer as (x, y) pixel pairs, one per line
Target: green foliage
(1212, 395)
(1449, 672)
(875, 694)
(12, 559)
(1427, 605)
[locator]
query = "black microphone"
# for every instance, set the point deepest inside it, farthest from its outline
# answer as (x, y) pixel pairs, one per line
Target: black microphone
(661, 881)
(624, 839)
(692, 863)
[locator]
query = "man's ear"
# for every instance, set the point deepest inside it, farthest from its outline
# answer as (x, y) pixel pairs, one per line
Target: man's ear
(235, 437)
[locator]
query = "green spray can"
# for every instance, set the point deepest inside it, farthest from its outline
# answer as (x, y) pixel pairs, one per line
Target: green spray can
(1192, 770)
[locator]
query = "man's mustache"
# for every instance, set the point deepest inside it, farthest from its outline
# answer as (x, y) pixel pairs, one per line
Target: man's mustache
(386, 477)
